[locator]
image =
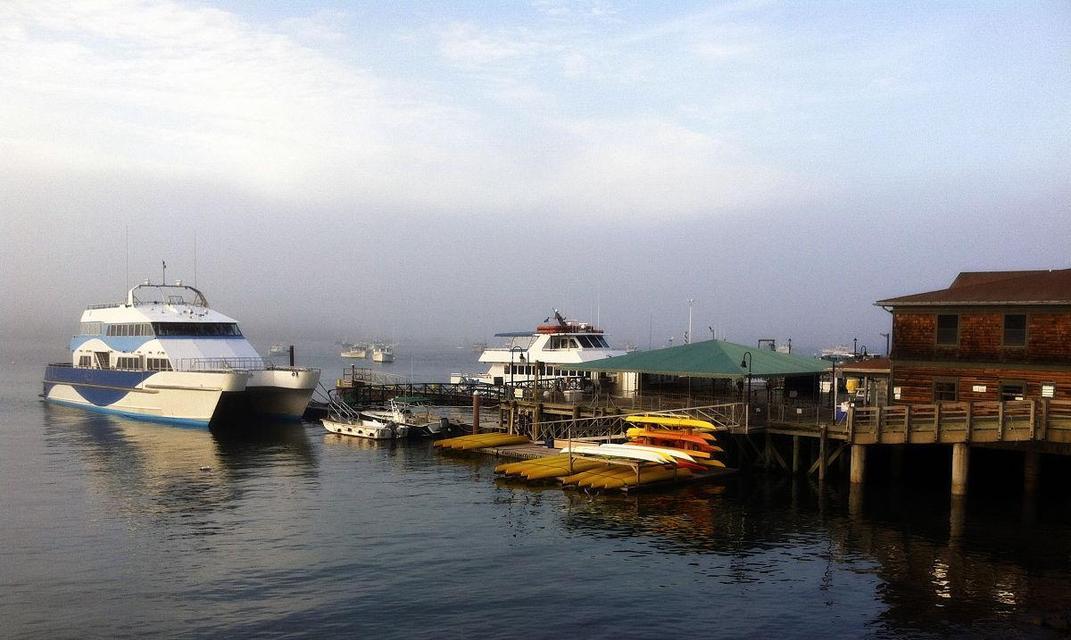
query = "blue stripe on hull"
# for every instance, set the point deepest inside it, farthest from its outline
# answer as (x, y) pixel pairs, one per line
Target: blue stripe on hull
(121, 382)
(184, 422)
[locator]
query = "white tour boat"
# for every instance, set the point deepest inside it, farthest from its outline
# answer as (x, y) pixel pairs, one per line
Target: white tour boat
(548, 351)
(164, 355)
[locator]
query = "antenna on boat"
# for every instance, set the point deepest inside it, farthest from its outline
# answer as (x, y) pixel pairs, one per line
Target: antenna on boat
(194, 258)
(126, 239)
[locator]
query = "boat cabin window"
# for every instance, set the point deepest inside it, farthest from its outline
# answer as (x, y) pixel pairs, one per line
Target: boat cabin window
(91, 328)
(85, 361)
(130, 363)
(157, 364)
(197, 329)
(128, 329)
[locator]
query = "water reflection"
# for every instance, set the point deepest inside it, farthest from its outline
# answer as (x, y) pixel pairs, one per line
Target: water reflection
(174, 474)
(942, 566)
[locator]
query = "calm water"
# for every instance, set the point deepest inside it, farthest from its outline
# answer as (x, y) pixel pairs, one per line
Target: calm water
(109, 528)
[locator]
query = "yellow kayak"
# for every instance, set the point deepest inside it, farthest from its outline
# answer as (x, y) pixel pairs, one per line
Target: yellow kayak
(673, 422)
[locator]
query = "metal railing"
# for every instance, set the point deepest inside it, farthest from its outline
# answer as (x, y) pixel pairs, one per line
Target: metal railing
(231, 364)
(364, 375)
(726, 417)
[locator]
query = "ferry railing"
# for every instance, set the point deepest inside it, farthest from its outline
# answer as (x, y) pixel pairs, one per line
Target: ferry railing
(230, 364)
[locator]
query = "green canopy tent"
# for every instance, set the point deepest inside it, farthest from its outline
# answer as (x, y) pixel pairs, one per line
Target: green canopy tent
(709, 359)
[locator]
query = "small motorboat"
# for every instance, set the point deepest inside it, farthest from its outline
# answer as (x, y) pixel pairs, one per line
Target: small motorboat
(402, 414)
(364, 427)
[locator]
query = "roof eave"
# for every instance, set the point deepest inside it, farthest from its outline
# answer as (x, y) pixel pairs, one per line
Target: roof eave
(973, 303)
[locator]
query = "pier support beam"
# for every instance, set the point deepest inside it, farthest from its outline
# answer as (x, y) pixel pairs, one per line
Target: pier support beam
(795, 454)
(1031, 468)
(896, 462)
(475, 413)
(822, 454)
(537, 417)
(961, 457)
(858, 472)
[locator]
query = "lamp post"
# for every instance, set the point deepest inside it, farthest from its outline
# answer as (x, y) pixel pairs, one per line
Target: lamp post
(688, 338)
(745, 363)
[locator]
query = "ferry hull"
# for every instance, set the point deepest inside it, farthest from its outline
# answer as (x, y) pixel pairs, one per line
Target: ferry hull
(273, 393)
(165, 396)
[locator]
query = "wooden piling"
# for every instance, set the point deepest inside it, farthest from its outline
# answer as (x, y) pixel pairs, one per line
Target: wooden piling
(858, 471)
(1031, 468)
(822, 454)
(795, 454)
(961, 455)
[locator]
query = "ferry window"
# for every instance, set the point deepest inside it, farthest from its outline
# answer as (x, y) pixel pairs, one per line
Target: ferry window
(945, 390)
(91, 328)
(1014, 330)
(85, 361)
(585, 341)
(127, 362)
(1012, 391)
(948, 330)
(196, 329)
(158, 364)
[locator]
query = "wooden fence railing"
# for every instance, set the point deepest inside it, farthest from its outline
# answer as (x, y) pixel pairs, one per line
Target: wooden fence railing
(947, 422)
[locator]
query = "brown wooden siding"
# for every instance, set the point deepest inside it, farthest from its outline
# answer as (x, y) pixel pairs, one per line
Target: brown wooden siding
(916, 381)
(981, 336)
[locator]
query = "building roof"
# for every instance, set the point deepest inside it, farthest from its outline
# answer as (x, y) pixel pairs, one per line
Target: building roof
(995, 287)
(867, 365)
(708, 359)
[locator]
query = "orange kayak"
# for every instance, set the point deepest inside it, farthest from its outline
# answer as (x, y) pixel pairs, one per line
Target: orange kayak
(671, 433)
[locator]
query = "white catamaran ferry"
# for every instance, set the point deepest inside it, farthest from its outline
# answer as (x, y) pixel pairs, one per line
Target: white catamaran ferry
(550, 349)
(164, 355)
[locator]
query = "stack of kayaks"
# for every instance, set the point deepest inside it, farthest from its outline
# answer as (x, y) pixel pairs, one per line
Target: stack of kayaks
(659, 449)
(481, 441)
(547, 468)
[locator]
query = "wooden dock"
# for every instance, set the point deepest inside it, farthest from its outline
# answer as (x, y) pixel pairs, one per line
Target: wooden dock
(1032, 426)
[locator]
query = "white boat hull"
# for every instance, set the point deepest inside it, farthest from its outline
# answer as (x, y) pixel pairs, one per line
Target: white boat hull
(166, 396)
(370, 429)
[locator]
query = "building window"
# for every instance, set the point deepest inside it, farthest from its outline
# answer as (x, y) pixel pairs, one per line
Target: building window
(945, 390)
(1048, 390)
(1012, 391)
(1014, 330)
(948, 330)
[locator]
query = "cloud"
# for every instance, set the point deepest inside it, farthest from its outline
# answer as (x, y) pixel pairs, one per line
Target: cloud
(190, 93)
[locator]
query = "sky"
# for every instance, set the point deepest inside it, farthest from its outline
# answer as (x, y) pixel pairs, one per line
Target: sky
(441, 171)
